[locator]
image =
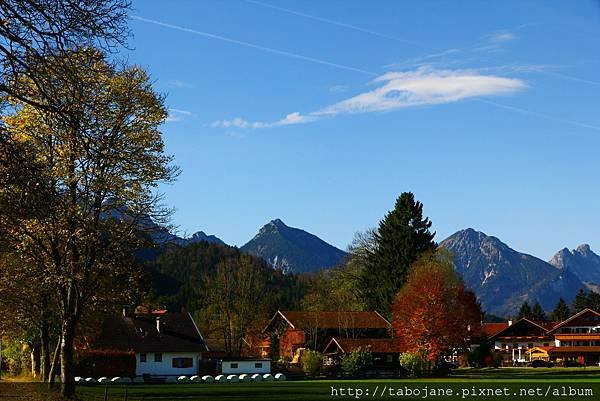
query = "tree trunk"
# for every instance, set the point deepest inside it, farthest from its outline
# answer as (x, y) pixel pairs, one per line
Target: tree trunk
(44, 353)
(35, 360)
(67, 388)
(52, 371)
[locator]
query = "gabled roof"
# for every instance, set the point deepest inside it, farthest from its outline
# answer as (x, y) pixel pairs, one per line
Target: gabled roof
(575, 316)
(139, 333)
(331, 320)
(541, 326)
(375, 345)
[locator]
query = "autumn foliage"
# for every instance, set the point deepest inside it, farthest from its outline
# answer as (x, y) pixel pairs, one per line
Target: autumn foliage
(433, 311)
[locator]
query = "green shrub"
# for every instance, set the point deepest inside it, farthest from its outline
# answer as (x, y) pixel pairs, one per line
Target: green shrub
(413, 363)
(496, 360)
(357, 361)
(16, 357)
(312, 362)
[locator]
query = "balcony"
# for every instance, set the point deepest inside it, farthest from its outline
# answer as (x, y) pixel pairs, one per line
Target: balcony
(577, 336)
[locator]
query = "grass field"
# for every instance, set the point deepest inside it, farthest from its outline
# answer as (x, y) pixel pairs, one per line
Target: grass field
(473, 384)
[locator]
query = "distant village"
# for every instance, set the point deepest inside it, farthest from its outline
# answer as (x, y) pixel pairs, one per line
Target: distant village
(166, 346)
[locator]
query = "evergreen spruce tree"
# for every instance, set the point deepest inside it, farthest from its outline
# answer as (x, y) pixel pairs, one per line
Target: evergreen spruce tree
(537, 313)
(593, 301)
(580, 302)
(402, 236)
(524, 311)
(561, 311)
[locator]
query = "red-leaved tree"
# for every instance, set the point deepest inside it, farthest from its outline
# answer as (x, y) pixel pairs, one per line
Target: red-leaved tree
(433, 311)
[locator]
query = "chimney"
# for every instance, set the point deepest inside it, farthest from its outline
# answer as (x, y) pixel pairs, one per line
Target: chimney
(510, 322)
(158, 324)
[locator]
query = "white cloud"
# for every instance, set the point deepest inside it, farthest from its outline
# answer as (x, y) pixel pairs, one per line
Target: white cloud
(178, 115)
(424, 87)
(502, 36)
(396, 90)
(290, 119)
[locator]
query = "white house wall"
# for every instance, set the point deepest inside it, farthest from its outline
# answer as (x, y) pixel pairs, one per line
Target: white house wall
(245, 367)
(165, 367)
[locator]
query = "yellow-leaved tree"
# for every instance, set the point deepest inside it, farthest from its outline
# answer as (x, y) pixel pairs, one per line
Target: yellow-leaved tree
(98, 159)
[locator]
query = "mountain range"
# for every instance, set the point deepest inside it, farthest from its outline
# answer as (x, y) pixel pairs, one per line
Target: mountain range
(582, 262)
(501, 277)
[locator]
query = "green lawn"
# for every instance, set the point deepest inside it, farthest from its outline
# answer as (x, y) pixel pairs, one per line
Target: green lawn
(496, 384)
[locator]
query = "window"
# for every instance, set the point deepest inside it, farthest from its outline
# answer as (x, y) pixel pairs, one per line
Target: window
(233, 365)
(504, 345)
(182, 363)
(157, 357)
(258, 365)
(142, 358)
(530, 345)
(389, 358)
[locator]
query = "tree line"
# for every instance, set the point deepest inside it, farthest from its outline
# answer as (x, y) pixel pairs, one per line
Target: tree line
(562, 310)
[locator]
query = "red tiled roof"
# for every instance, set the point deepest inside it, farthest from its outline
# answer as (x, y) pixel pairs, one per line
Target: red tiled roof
(334, 320)
(492, 328)
(376, 345)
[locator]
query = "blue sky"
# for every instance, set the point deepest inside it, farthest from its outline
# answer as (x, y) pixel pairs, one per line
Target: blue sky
(322, 112)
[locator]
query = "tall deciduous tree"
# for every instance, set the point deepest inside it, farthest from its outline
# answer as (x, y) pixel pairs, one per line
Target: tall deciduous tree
(34, 31)
(433, 309)
(402, 236)
(102, 157)
(561, 311)
(236, 302)
(335, 289)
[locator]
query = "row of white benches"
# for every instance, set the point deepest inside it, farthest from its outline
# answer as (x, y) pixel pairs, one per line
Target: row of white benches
(243, 378)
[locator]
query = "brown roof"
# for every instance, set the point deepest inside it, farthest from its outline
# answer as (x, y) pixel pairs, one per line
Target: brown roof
(547, 324)
(139, 333)
(492, 328)
(574, 318)
(574, 350)
(376, 345)
(524, 328)
(333, 320)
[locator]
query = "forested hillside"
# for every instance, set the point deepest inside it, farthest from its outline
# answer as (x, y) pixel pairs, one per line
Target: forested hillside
(178, 278)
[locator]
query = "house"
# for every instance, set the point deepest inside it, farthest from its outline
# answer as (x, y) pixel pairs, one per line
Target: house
(289, 331)
(241, 365)
(386, 351)
(514, 341)
(162, 343)
(577, 338)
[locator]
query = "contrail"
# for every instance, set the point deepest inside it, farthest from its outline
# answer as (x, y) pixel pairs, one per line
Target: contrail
(541, 115)
(342, 24)
(571, 78)
(257, 47)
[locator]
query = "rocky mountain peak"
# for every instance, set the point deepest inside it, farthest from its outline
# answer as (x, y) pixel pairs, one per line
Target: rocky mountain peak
(292, 249)
(584, 250)
(503, 277)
